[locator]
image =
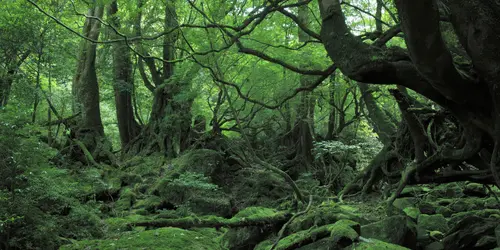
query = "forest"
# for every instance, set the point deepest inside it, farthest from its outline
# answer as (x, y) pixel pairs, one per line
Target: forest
(249, 124)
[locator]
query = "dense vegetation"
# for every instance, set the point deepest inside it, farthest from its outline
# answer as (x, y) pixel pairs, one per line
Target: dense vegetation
(237, 124)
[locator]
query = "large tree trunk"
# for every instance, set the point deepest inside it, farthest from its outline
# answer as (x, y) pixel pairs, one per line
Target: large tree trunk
(88, 129)
(470, 98)
(123, 84)
(170, 121)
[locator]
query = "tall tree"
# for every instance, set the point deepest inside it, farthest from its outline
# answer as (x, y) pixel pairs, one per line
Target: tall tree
(123, 82)
(85, 89)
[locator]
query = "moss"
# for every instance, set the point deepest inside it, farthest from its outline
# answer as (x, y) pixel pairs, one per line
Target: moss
(484, 213)
(160, 239)
(326, 213)
(256, 212)
(375, 244)
(126, 200)
(341, 230)
(119, 224)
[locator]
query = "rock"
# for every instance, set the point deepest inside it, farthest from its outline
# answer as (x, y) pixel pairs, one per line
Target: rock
(371, 244)
(427, 208)
(483, 213)
(469, 231)
(248, 237)
(337, 236)
(486, 242)
(435, 222)
(492, 203)
(445, 211)
(450, 190)
(412, 212)
(462, 205)
(327, 213)
(397, 230)
(434, 246)
(414, 191)
(403, 203)
(497, 234)
(475, 190)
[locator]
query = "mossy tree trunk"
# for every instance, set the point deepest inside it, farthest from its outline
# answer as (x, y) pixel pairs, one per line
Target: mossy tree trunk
(88, 128)
(123, 84)
(470, 96)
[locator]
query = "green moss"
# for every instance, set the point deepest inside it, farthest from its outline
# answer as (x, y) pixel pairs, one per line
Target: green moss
(375, 244)
(255, 212)
(119, 224)
(340, 230)
(326, 213)
(160, 239)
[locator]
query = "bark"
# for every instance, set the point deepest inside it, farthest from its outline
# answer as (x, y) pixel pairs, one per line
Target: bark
(381, 123)
(89, 129)
(302, 132)
(7, 77)
(123, 84)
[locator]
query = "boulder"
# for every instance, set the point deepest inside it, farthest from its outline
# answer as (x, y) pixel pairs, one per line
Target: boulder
(397, 230)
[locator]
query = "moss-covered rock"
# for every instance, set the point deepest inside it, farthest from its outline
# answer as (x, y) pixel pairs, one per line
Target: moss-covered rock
(160, 239)
(340, 234)
(427, 208)
(372, 244)
(403, 203)
(475, 189)
(461, 205)
(117, 225)
(259, 187)
(326, 213)
(395, 229)
(414, 191)
(497, 234)
(435, 222)
(483, 213)
(452, 190)
(445, 211)
(491, 203)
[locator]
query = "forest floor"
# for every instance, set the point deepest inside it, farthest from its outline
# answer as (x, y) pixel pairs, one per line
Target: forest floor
(199, 201)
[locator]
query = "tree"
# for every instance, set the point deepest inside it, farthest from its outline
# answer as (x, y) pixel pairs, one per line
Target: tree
(428, 68)
(124, 83)
(85, 89)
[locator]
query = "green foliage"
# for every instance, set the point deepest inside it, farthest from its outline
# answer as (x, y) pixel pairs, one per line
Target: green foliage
(37, 210)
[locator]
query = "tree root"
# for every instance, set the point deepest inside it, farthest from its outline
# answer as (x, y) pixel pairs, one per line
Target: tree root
(280, 234)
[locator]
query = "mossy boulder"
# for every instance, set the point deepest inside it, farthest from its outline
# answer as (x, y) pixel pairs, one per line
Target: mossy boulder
(475, 190)
(435, 222)
(259, 187)
(194, 191)
(160, 239)
(462, 205)
(117, 225)
(414, 191)
(371, 244)
(427, 208)
(445, 211)
(450, 190)
(491, 203)
(483, 213)
(397, 230)
(248, 237)
(338, 235)
(403, 203)
(324, 214)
